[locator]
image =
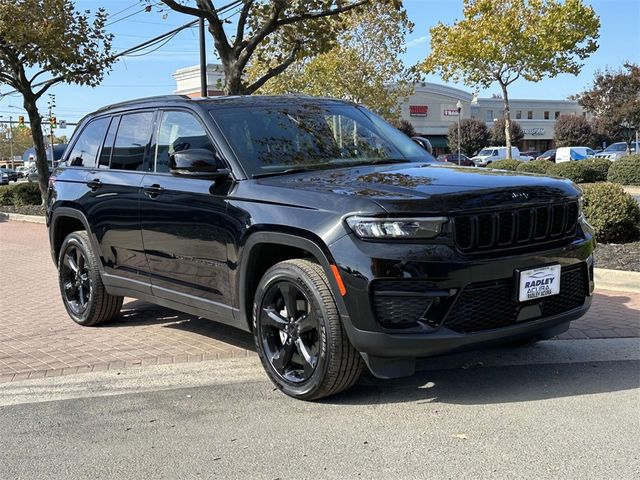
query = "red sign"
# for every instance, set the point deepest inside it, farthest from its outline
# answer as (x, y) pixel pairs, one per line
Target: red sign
(418, 110)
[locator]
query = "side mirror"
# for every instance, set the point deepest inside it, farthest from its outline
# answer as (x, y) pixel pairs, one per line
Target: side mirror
(196, 163)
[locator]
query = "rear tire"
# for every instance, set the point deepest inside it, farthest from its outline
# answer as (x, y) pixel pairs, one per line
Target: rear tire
(83, 293)
(303, 348)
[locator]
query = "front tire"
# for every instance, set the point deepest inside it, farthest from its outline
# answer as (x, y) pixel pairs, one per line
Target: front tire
(83, 294)
(298, 333)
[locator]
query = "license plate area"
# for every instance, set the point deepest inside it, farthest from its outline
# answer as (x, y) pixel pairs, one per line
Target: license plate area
(538, 282)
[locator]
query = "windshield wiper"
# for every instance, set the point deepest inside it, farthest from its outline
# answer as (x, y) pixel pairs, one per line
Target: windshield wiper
(281, 172)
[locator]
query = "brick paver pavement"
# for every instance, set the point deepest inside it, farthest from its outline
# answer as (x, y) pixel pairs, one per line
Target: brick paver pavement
(38, 339)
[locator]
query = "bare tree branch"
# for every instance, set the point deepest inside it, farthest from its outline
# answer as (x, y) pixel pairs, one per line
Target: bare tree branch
(242, 22)
(320, 14)
(274, 71)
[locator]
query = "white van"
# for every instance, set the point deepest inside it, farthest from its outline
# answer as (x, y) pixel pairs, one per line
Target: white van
(567, 154)
(491, 154)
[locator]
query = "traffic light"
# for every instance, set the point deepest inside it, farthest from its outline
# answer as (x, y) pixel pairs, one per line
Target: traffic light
(53, 121)
(21, 120)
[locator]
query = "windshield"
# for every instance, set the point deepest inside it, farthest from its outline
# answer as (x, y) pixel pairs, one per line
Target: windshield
(485, 152)
(276, 138)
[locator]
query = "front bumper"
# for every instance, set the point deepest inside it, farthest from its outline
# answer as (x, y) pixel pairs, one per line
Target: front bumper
(445, 271)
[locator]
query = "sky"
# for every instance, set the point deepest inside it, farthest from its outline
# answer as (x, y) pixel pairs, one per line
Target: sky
(152, 74)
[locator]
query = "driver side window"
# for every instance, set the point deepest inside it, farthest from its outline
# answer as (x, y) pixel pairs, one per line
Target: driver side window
(177, 132)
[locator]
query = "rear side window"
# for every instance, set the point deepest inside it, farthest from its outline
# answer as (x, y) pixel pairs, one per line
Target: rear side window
(105, 153)
(179, 131)
(86, 148)
(131, 141)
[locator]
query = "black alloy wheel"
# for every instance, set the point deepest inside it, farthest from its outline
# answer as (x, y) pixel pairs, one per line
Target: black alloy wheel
(299, 335)
(75, 280)
(290, 332)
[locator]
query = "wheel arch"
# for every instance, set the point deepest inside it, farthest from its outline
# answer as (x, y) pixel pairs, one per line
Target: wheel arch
(66, 220)
(253, 266)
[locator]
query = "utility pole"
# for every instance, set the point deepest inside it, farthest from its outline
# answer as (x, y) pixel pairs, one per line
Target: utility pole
(11, 141)
(459, 107)
(203, 60)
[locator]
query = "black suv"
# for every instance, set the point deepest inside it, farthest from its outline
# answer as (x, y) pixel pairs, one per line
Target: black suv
(314, 224)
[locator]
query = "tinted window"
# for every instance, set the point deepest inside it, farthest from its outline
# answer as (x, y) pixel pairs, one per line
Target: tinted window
(107, 148)
(131, 141)
(275, 138)
(86, 148)
(179, 131)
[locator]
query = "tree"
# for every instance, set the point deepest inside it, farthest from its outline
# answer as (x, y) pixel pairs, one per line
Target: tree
(364, 65)
(572, 130)
(46, 42)
(498, 135)
(501, 41)
(21, 140)
(405, 127)
(296, 27)
(614, 102)
(474, 135)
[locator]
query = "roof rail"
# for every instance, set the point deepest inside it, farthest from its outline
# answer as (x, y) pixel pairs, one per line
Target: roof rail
(144, 100)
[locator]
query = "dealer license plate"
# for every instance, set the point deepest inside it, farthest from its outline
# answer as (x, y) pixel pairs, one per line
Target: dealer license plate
(539, 282)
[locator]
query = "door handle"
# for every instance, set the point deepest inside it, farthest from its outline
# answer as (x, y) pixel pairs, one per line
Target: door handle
(94, 184)
(153, 190)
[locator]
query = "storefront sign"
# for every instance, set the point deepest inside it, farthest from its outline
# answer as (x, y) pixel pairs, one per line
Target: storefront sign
(418, 110)
(533, 131)
(448, 112)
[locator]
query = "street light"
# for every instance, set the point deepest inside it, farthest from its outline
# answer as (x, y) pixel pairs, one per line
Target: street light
(459, 106)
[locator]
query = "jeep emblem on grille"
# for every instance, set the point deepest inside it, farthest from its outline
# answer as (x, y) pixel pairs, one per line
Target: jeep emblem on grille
(520, 195)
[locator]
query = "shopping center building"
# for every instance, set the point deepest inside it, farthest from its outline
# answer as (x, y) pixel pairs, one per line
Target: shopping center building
(432, 109)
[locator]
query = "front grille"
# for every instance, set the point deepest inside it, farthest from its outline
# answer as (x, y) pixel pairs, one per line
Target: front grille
(515, 228)
(489, 305)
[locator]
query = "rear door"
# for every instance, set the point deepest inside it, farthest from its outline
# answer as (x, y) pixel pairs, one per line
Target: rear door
(114, 196)
(185, 227)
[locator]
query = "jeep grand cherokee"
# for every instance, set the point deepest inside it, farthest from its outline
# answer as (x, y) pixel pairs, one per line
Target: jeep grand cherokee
(312, 223)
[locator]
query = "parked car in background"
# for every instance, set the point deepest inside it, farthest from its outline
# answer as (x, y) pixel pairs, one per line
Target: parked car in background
(566, 154)
(23, 172)
(453, 158)
(531, 153)
(549, 155)
(12, 174)
(618, 150)
(4, 178)
(33, 175)
(490, 154)
(335, 247)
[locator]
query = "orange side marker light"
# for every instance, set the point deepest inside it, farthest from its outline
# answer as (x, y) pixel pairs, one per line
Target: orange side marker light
(336, 274)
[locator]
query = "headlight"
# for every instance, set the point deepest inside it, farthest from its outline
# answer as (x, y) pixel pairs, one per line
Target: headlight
(383, 228)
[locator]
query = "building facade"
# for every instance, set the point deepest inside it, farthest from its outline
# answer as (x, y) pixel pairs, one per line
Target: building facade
(432, 109)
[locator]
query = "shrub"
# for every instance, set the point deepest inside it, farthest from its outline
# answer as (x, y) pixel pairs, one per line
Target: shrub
(506, 164)
(613, 213)
(6, 195)
(535, 166)
(20, 194)
(575, 171)
(625, 171)
(596, 169)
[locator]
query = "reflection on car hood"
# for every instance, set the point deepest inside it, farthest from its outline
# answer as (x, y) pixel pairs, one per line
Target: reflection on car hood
(420, 187)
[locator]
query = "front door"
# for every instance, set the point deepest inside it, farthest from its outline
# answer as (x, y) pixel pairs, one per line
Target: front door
(185, 228)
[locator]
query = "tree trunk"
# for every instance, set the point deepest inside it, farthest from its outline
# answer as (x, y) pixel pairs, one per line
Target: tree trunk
(507, 119)
(38, 142)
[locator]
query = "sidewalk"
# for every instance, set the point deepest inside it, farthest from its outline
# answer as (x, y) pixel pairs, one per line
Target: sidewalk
(38, 339)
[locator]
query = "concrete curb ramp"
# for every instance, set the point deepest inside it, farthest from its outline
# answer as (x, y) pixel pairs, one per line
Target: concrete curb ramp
(18, 217)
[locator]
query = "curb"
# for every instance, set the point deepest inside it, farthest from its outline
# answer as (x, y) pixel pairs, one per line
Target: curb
(18, 217)
(631, 190)
(621, 280)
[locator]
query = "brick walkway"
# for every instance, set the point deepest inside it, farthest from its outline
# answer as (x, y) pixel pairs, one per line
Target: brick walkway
(38, 339)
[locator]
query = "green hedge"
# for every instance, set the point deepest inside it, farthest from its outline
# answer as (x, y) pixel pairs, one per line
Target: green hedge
(613, 213)
(20, 194)
(535, 166)
(625, 171)
(575, 171)
(506, 164)
(596, 169)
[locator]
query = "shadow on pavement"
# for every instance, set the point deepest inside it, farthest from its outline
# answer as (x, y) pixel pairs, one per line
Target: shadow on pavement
(497, 384)
(139, 313)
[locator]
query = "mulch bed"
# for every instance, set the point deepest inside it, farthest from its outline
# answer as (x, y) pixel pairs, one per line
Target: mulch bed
(618, 256)
(24, 209)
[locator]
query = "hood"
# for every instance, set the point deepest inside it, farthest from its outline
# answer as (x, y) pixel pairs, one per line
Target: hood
(409, 188)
